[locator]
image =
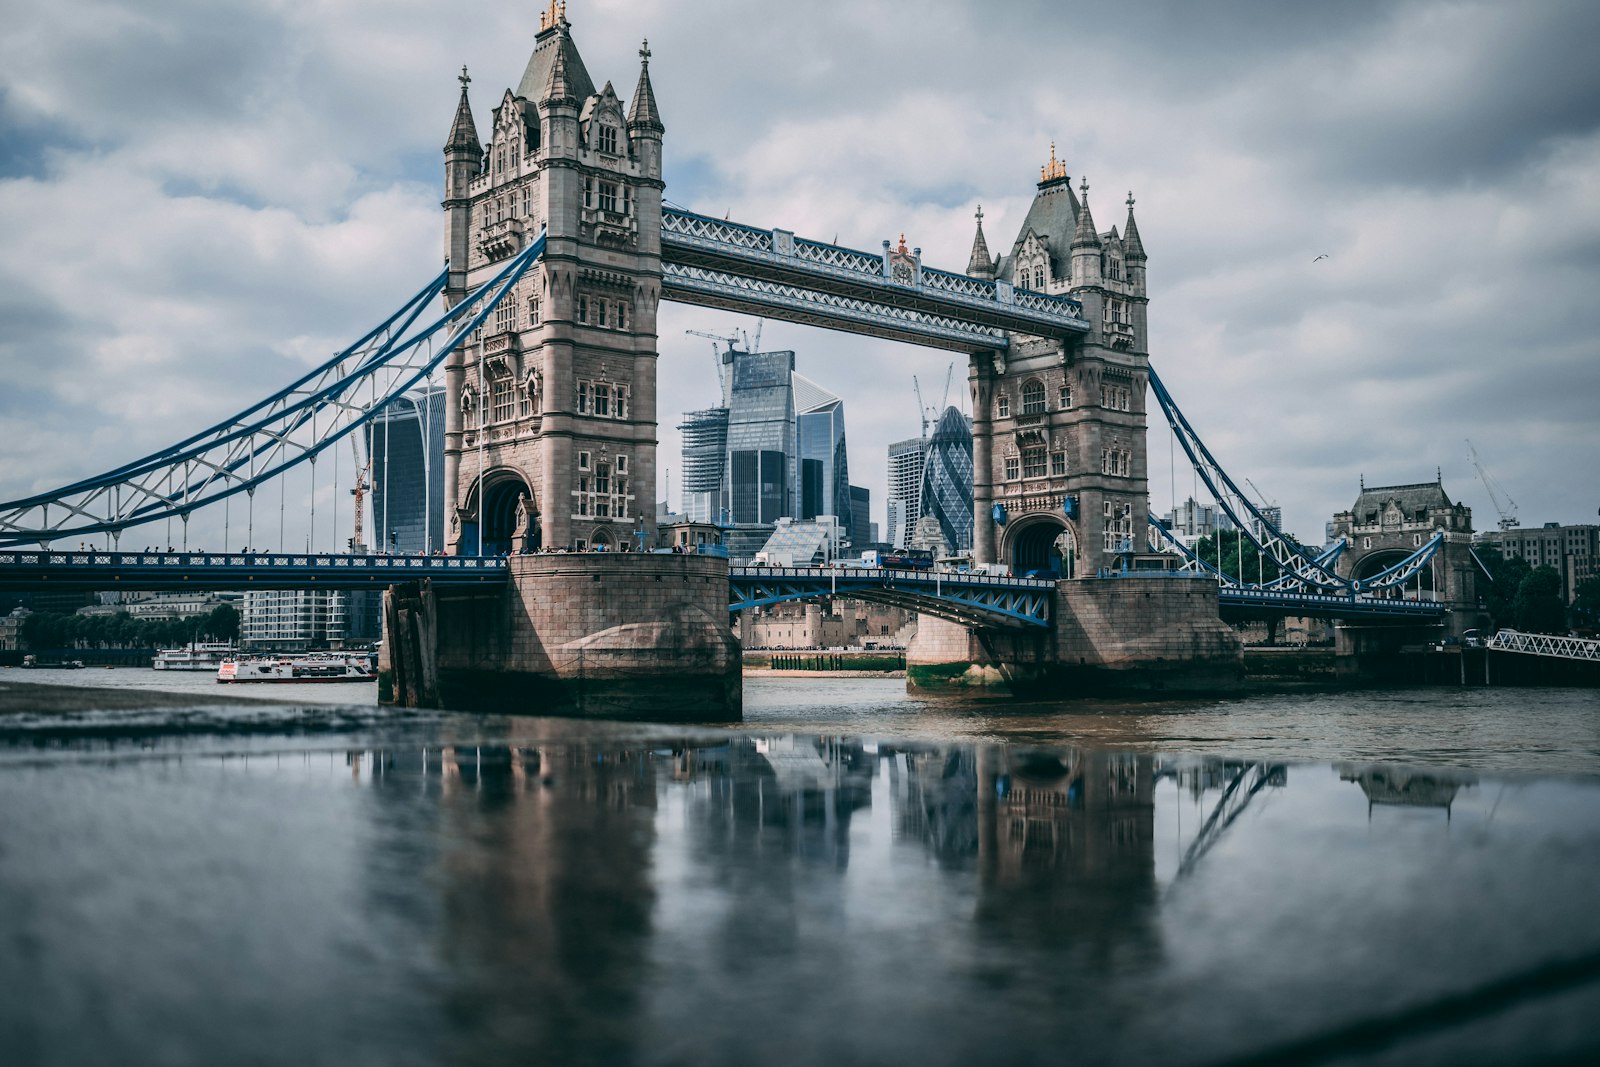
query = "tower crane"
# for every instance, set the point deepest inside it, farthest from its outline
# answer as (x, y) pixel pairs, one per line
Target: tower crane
(363, 484)
(721, 357)
(926, 413)
(1497, 495)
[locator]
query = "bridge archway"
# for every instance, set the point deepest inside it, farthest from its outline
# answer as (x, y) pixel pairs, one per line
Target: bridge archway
(509, 525)
(1378, 561)
(1041, 544)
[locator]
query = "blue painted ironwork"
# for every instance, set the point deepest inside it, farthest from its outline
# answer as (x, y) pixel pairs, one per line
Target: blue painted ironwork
(43, 569)
(1301, 570)
(960, 596)
(728, 265)
(287, 429)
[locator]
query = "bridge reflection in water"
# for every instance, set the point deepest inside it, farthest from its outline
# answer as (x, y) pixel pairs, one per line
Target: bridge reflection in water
(622, 895)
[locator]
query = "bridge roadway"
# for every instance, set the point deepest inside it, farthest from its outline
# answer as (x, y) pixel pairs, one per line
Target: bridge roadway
(960, 596)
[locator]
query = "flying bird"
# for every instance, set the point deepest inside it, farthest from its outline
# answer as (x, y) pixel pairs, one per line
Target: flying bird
(1323, 256)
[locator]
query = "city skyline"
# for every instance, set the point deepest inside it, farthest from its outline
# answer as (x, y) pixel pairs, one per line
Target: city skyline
(202, 202)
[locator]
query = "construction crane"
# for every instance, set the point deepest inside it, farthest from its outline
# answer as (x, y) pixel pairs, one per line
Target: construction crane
(363, 484)
(929, 414)
(1506, 506)
(720, 357)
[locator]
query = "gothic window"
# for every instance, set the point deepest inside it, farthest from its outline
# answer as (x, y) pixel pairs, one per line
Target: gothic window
(1058, 464)
(1002, 406)
(608, 196)
(1065, 397)
(583, 461)
(1118, 527)
(600, 311)
(608, 139)
(619, 401)
(583, 309)
(583, 398)
(1033, 397)
(500, 159)
(505, 316)
(583, 496)
(525, 402)
(602, 400)
(1038, 276)
(602, 477)
(622, 316)
(1013, 468)
(1033, 463)
(533, 312)
(503, 401)
(527, 199)
(622, 464)
(588, 193)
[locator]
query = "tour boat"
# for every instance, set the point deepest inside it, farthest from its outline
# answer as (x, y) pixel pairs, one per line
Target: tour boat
(196, 656)
(318, 667)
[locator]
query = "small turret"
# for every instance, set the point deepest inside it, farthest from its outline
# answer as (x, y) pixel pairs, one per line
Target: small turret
(1133, 251)
(463, 154)
(1086, 247)
(979, 264)
(644, 115)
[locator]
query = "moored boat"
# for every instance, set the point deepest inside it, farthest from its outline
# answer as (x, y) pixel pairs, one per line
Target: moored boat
(195, 656)
(320, 667)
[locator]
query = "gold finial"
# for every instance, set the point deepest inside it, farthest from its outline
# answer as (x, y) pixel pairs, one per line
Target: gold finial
(902, 248)
(556, 13)
(1053, 169)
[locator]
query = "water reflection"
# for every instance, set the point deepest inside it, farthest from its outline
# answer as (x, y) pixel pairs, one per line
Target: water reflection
(733, 898)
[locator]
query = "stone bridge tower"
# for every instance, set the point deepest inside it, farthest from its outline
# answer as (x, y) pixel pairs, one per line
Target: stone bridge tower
(550, 437)
(1387, 523)
(1058, 428)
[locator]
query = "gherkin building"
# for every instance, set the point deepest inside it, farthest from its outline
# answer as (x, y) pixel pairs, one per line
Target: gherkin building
(947, 479)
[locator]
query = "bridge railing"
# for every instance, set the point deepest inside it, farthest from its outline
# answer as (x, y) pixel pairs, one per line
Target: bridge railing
(898, 573)
(91, 560)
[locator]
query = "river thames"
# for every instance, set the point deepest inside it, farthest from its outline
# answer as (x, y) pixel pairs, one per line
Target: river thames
(851, 876)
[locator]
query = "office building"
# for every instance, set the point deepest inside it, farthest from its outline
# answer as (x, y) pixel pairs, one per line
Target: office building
(905, 490)
(405, 443)
(946, 492)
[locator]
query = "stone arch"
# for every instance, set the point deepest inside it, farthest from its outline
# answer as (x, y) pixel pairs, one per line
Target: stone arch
(1042, 543)
(510, 514)
(604, 537)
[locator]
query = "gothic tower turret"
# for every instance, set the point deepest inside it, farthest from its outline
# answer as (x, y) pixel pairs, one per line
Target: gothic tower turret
(552, 427)
(463, 159)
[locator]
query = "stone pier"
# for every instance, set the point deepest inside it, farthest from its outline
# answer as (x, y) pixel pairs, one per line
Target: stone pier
(550, 641)
(1110, 636)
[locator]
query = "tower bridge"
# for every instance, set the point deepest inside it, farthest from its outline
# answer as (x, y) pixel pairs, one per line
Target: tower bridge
(560, 250)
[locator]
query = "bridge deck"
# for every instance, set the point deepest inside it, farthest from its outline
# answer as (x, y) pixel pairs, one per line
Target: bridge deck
(979, 599)
(220, 570)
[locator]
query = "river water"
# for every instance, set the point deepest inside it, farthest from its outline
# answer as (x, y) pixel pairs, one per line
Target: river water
(852, 876)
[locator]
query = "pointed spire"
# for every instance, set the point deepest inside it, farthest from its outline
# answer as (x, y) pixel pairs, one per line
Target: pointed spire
(463, 131)
(1055, 170)
(1133, 248)
(559, 85)
(1085, 235)
(980, 263)
(643, 113)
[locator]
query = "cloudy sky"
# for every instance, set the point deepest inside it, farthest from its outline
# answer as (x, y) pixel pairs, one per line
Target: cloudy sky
(199, 198)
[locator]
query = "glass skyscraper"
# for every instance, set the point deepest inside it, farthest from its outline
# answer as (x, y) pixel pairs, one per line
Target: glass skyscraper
(405, 443)
(946, 492)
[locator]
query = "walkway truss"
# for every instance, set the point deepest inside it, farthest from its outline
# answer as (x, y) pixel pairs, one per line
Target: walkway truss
(1582, 649)
(1303, 574)
(728, 265)
(971, 599)
(289, 428)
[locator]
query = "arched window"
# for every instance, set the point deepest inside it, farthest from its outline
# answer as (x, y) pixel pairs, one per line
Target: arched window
(1033, 397)
(1038, 276)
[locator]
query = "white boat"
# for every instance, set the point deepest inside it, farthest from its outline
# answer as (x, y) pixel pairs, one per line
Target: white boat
(315, 667)
(197, 656)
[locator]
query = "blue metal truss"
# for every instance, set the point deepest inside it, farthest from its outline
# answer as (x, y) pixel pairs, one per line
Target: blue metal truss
(972, 599)
(728, 265)
(291, 427)
(1301, 570)
(43, 569)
